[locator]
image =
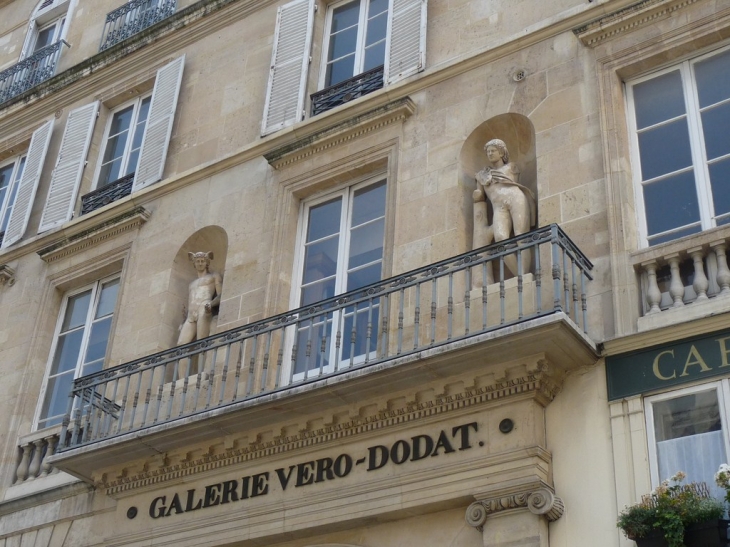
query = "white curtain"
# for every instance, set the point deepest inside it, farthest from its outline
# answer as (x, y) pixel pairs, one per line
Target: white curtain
(698, 456)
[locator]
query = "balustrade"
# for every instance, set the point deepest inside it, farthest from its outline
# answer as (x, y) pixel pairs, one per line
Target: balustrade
(134, 17)
(681, 277)
(432, 306)
(106, 194)
(30, 72)
(33, 459)
(347, 90)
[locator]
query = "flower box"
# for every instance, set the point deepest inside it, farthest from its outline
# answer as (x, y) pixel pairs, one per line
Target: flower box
(712, 533)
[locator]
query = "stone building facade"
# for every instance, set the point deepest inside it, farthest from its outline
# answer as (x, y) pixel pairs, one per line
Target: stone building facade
(374, 376)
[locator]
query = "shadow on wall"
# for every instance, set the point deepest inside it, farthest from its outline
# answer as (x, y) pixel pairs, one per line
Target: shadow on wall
(212, 239)
(518, 133)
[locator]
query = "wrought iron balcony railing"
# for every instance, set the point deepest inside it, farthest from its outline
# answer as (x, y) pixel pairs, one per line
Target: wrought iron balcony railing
(107, 193)
(355, 87)
(30, 72)
(133, 17)
(445, 302)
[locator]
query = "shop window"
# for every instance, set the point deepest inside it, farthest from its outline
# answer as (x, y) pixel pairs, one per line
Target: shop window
(688, 431)
(681, 154)
(341, 250)
(80, 345)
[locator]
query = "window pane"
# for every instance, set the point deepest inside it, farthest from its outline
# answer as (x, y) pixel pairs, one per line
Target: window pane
(720, 180)
(6, 174)
(374, 56)
(320, 260)
(369, 204)
(345, 16)
(364, 276)
(98, 340)
(108, 299)
(696, 229)
(324, 219)
(671, 203)
(121, 120)
(342, 44)
(366, 244)
(360, 321)
(664, 149)
(56, 401)
(658, 99)
(689, 437)
(318, 291)
(340, 70)
(67, 352)
(115, 147)
(376, 7)
(713, 79)
(76, 311)
(45, 37)
(110, 172)
(377, 27)
(715, 124)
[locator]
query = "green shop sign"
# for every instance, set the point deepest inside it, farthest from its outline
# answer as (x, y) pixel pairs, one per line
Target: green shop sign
(668, 365)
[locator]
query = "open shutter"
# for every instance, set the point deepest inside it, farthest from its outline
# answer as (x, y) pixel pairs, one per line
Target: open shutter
(159, 124)
(406, 47)
(285, 93)
(66, 175)
(28, 184)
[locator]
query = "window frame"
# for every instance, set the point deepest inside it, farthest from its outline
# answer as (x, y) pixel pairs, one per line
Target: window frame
(360, 42)
(95, 287)
(13, 186)
(699, 167)
(136, 102)
(722, 390)
(347, 193)
(42, 18)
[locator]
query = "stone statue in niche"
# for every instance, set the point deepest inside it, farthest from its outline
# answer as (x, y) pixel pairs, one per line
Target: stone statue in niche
(513, 204)
(204, 294)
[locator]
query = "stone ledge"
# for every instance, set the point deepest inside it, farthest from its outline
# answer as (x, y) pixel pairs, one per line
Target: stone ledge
(95, 234)
(339, 132)
(627, 19)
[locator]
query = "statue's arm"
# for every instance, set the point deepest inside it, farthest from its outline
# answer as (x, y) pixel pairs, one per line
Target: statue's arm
(218, 287)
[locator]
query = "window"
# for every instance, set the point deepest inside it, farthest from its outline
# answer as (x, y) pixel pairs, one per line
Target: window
(355, 40)
(341, 250)
(123, 141)
(359, 36)
(10, 174)
(681, 153)
(688, 431)
(48, 34)
(79, 346)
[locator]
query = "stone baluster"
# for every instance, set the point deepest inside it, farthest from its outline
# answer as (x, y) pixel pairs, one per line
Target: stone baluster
(723, 272)
(676, 287)
(701, 283)
(653, 294)
(35, 463)
(51, 443)
(21, 473)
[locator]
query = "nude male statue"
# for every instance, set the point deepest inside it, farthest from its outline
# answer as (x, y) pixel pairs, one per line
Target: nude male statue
(513, 204)
(203, 295)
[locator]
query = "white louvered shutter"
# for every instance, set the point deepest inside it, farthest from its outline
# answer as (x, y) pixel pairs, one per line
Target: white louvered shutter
(406, 47)
(159, 124)
(66, 176)
(285, 93)
(28, 184)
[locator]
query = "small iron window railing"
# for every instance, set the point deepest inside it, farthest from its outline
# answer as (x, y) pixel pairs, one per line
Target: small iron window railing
(106, 194)
(30, 72)
(134, 17)
(345, 91)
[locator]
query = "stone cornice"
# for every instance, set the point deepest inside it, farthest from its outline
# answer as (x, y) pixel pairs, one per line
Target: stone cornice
(627, 19)
(341, 132)
(538, 381)
(95, 234)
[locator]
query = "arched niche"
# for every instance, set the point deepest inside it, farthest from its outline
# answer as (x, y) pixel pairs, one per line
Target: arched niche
(518, 133)
(210, 238)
